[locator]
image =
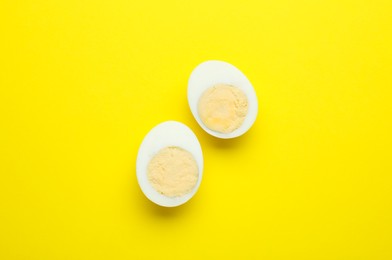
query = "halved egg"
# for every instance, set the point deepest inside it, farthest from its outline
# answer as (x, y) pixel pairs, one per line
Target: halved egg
(222, 99)
(169, 164)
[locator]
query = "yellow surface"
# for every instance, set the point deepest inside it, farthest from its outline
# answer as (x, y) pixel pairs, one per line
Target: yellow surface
(82, 82)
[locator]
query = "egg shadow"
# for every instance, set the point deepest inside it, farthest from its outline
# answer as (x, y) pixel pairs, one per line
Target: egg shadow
(220, 143)
(161, 212)
(166, 212)
(232, 143)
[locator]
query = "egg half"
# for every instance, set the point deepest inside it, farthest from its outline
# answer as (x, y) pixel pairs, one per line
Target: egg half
(215, 73)
(175, 136)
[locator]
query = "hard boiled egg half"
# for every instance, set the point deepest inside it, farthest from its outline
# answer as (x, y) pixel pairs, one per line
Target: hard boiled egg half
(222, 99)
(169, 164)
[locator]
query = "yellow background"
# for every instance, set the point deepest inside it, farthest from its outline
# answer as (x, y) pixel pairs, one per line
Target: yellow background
(82, 82)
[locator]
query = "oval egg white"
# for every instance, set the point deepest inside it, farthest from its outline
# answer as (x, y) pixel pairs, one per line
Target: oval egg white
(169, 133)
(214, 72)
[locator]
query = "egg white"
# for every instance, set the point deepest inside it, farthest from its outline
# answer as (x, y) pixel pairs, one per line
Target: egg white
(210, 73)
(169, 133)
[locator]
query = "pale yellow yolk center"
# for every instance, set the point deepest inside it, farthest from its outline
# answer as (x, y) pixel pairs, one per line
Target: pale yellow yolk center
(173, 171)
(223, 108)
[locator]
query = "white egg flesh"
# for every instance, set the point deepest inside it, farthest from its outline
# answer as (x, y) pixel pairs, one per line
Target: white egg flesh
(222, 99)
(169, 164)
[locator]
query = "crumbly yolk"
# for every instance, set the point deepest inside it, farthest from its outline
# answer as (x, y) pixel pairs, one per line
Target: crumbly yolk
(173, 171)
(223, 108)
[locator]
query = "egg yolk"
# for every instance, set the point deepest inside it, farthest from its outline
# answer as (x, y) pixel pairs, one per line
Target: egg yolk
(223, 108)
(173, 171)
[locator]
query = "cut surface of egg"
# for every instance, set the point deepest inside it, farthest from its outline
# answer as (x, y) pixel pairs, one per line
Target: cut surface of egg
(169, 164)
(222, 99)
